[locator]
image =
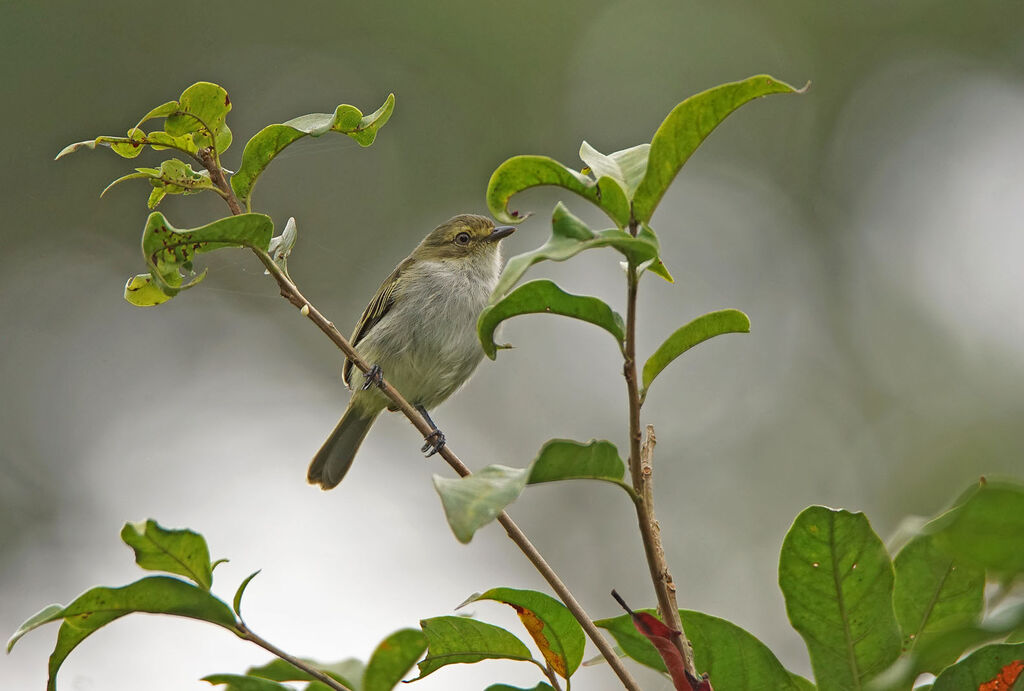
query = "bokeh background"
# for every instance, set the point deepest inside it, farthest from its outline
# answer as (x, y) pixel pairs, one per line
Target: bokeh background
(870, 228)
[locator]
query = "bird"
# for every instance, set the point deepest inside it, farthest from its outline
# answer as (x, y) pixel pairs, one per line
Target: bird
(419, 331)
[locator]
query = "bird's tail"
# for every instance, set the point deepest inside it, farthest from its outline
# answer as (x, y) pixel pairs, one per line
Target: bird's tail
(335, 457)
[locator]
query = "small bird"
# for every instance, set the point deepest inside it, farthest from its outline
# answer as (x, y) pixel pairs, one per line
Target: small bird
(419, 331)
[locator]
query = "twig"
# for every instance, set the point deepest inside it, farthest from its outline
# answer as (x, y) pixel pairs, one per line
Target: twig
(245, 633)
(640, 469)
(291, 292)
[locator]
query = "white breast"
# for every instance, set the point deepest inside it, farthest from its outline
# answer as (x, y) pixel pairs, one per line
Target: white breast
(426, 344)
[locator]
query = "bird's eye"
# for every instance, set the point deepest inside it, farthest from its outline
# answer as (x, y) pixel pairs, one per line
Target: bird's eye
(462, 238)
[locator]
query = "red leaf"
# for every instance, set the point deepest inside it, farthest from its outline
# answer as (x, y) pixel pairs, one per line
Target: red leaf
(1006, 679)
(663, 639)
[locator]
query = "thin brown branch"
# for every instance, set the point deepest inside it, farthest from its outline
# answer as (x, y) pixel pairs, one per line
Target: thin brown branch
(291, 292)
(641, 454)
(246, 634)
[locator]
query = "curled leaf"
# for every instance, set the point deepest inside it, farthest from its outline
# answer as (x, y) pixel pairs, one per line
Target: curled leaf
(169, 251)
(272, 140)
(544, 297)
(569, 237)
(523, 172)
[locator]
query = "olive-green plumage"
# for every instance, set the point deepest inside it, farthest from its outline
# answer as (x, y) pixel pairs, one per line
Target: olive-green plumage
(420, 329)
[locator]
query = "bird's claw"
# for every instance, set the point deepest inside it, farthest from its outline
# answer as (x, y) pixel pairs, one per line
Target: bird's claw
(435, 442)
(374, 377)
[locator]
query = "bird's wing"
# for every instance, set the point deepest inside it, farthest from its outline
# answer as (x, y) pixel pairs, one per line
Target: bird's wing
(374, 312)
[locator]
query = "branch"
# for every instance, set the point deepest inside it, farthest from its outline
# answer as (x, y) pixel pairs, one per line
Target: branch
(245, 634)
(291, 293)
(641, 472)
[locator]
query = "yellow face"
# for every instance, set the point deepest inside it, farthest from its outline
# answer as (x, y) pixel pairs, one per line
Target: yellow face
(462, 236)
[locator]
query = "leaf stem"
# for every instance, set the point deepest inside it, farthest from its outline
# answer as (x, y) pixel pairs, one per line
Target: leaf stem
(290, 291)
(641, 454)
(245, 633)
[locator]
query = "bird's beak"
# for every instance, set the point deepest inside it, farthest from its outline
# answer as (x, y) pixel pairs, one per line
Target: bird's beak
(500, 232)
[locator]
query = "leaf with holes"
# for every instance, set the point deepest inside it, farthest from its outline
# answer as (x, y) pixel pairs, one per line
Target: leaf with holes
(544, 297)
(181, 552)
(472, 502)
(837, 581)
(195, 121)
(458, 640)
(685, 337)
(553, 628)
(173, 177)
(686, 127)
(168, 251)
(569, 237)
(273, 139)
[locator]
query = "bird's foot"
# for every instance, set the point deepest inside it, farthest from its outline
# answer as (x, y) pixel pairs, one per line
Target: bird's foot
(375, 377)
(435, 442)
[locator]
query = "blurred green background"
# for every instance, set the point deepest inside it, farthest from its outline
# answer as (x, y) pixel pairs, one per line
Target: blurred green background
(870, 228)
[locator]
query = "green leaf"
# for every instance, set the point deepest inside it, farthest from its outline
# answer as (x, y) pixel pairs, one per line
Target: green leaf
(281, 670)
(523, 172)
(802, 684)
(952, 643)
(933, 594)
(240, 682)
(505, 687)
(126, 147)
(540, 297)
(984, 666)
(626, 167)
(569, 237)
(393, 659)
(564, 459)
(837, 581)
(685, 337)
(985, 528)
(633, 643)
(348, 672)
(173, 177)
(733, 658)
(272, 140)
(201, 114)
(181, 552)
(168, 250)
(142, 291)
(457, 640)
(553, 628)
(193, 122)
(472, 502)
(236, 603)
(686, 127)
(98, 607)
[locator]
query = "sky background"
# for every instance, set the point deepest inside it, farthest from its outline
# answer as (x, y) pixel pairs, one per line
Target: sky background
(871, 228)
